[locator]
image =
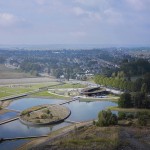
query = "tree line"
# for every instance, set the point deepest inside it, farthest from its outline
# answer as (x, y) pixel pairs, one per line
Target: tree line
(134, 100)
(139, 85)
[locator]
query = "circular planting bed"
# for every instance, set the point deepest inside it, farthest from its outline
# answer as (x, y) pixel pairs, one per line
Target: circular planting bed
(44, 114)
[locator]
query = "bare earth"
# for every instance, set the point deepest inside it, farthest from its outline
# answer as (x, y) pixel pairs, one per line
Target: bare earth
(25, 80)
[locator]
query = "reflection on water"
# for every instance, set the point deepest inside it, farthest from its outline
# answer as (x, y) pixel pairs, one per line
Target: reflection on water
(17, 129)
(80, 111)
(8, 115)
(83, 111)
(25, 103)
(12, 145)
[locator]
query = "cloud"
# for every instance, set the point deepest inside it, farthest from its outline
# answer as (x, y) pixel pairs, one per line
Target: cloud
(78, 34)
(7, 19)
(78, 11)
(138, 4)
(90, 2)
(40, 2)
(113, 17)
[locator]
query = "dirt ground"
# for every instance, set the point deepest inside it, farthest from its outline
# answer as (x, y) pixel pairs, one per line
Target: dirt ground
(133, 138)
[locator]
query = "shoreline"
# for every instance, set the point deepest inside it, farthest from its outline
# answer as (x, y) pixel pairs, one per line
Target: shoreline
(3, 105)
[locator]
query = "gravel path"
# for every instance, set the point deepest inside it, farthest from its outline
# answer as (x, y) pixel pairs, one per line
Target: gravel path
(131, 141)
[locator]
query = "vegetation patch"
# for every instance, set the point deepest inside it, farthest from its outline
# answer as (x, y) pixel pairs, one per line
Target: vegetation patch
(44, 114)
(89, 138)
(116, 108)
(21, 88)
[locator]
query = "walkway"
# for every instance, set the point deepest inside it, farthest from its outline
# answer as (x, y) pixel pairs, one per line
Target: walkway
(18, 111)
(9, 120)
(74, 99)
(19, 138)
(69, 121)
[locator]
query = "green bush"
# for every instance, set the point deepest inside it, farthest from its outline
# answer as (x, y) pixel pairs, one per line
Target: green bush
(142, 120)
(24, 112)
(51, 116)
(28, 114)
(94, 122)
(48, 111)
(106, 118)
(130, 116)
(121, 115)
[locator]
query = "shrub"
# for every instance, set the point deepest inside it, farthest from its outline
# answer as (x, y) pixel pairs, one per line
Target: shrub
(51, 116)
(24, 112)
(121, 115)
(130, 116)
(94, 122)
(28, 114)
(106, 118)
(38, 121)
(142, 120)
(48, 111)
(43, 116)
(144, 113)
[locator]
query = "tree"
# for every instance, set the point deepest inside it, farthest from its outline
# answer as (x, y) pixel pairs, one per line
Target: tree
(125, 101)
(138, 100)
(137, 85)
(106, 118)
(144, 88)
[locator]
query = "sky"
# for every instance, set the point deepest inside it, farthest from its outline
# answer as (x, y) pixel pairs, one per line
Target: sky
(118, 22)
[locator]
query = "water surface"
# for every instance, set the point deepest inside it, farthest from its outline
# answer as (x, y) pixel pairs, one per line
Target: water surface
(8, 115)
(80, 111)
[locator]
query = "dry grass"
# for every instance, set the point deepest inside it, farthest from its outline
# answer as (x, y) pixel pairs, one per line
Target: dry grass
(7, 73)
(88, 138)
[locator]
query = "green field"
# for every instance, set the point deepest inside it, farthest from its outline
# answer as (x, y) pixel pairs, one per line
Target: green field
(50, 95)
(70, 86)
(20, 89)
(115, 108)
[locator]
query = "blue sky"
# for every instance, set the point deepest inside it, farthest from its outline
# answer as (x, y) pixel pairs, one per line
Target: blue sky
(117, 22)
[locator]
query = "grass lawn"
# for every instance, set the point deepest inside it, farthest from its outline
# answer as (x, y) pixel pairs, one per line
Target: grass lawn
(50, 95)
(67, 85)
(115, 108)
(20, 89)
(109, 98)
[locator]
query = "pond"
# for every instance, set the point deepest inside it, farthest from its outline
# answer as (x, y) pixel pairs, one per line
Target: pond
(8, 115)
(80, 111)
